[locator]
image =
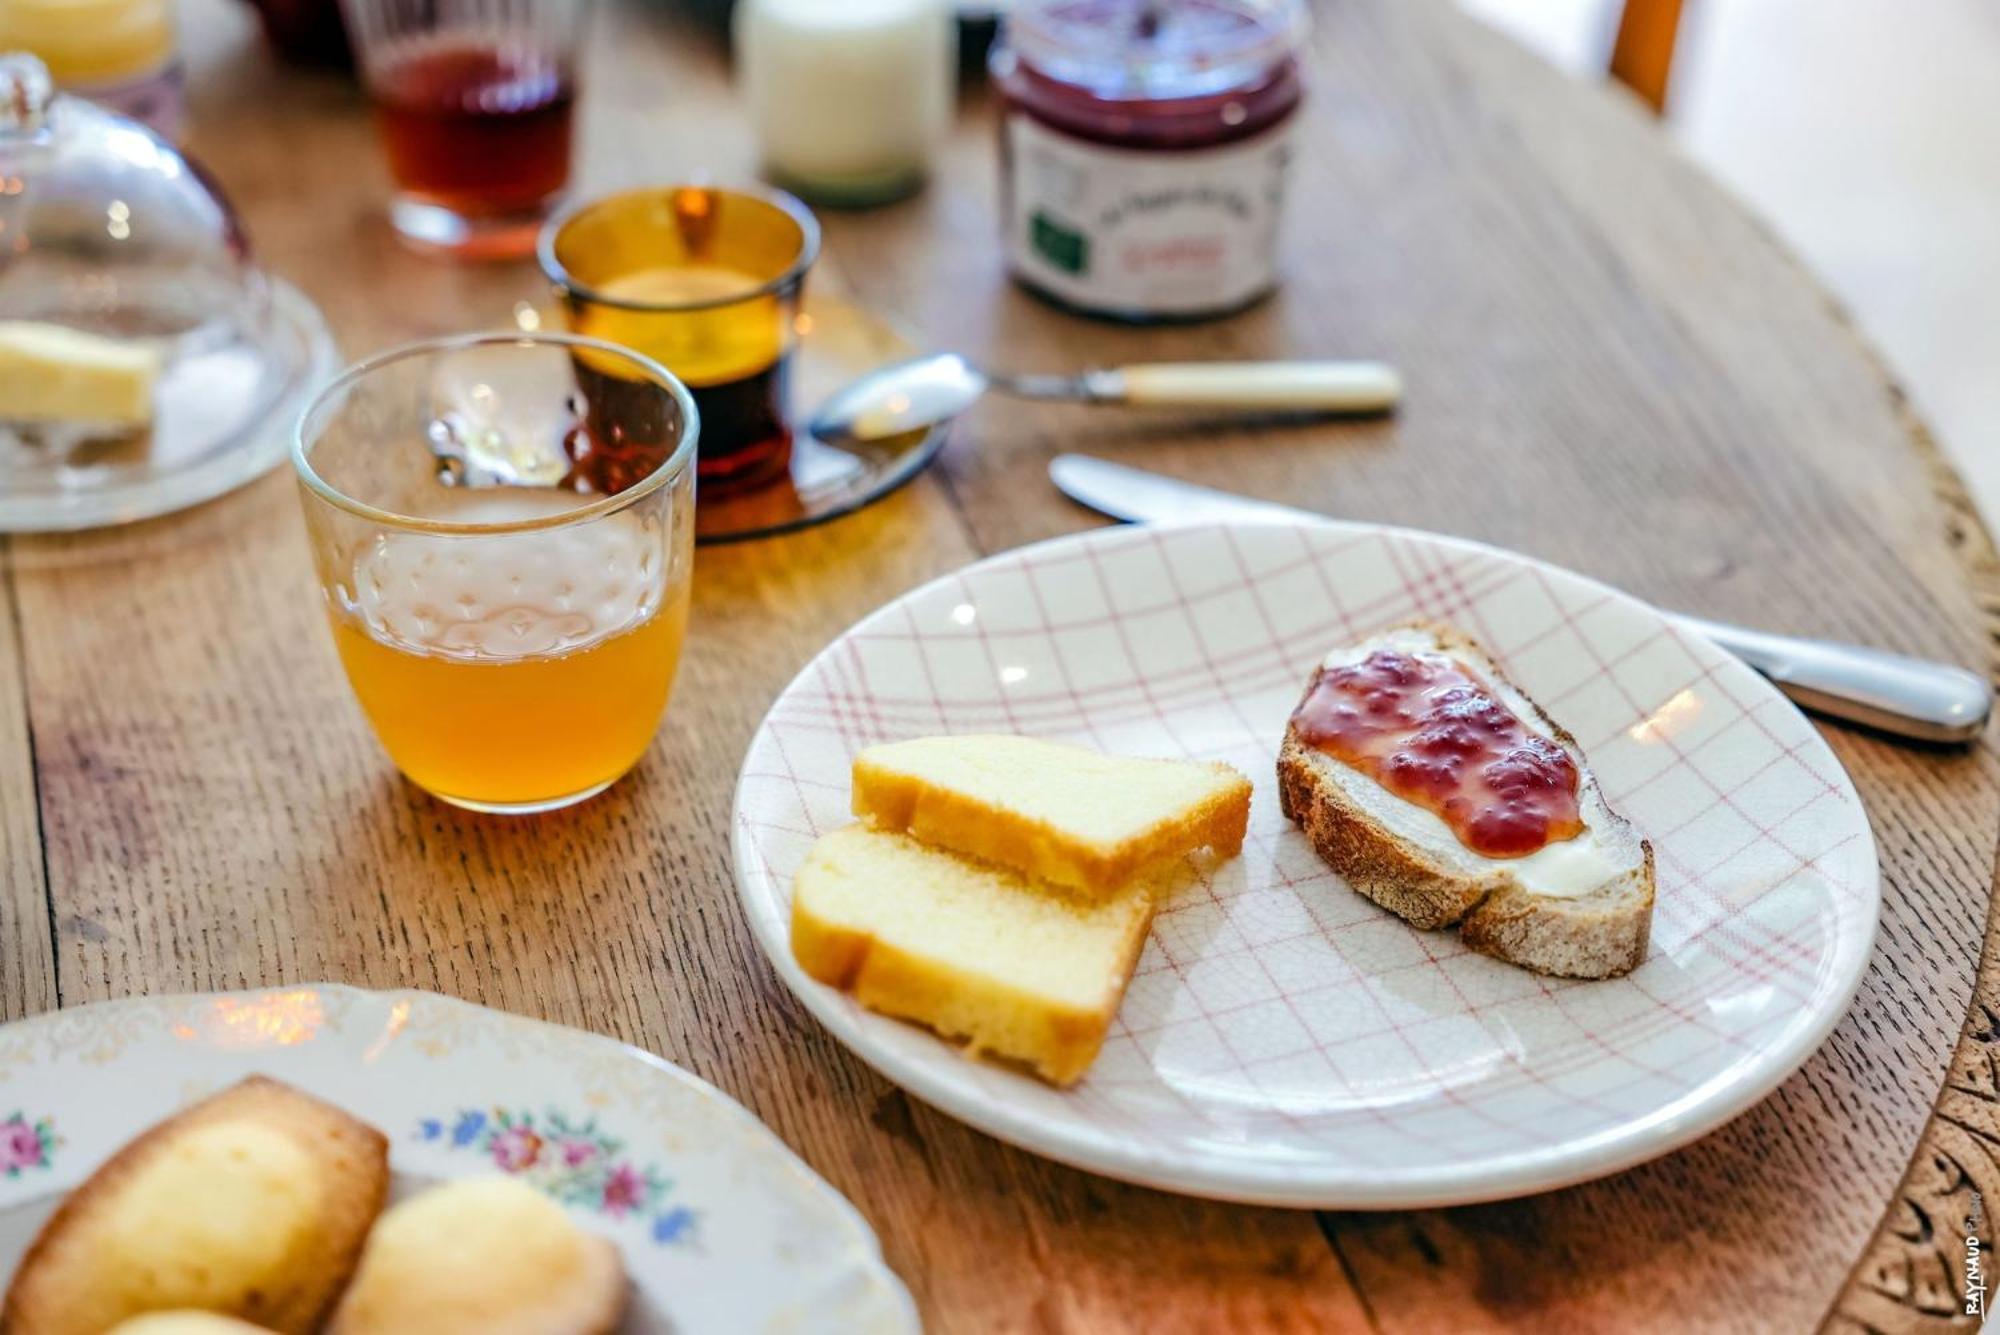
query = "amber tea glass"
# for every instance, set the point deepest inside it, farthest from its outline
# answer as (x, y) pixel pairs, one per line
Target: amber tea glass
(706, 282)
(503, 527)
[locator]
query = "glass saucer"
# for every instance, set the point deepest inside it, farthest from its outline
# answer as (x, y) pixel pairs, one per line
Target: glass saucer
(841, 343)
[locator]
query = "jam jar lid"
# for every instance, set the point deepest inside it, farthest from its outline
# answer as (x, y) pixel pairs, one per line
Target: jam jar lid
(1155, 49)
(123, 267)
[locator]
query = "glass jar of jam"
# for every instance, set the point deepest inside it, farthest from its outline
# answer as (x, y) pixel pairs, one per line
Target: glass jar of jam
(1144, 146)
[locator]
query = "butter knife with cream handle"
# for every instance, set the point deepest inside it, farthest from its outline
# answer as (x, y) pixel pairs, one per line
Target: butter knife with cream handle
(1908, 697)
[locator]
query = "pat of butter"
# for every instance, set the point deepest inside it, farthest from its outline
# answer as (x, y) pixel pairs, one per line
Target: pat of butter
(51, 373)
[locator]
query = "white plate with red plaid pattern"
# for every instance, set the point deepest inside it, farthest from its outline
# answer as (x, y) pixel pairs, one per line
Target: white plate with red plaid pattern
(1284, 1040)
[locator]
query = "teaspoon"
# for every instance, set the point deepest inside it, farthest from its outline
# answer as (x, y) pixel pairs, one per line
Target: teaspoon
(920, 393)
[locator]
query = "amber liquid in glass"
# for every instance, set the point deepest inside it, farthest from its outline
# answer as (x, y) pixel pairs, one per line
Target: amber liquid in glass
(735, 360)
(514, 669)
(474, 126)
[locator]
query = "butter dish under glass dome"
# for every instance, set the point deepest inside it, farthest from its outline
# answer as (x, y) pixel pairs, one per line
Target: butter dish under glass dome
(146, 362)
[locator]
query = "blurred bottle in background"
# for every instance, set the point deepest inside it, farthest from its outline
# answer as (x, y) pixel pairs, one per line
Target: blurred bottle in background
(850, 99)
(119, 53)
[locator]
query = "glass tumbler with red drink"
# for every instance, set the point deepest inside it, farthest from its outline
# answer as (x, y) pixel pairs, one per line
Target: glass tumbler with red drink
(474, 98)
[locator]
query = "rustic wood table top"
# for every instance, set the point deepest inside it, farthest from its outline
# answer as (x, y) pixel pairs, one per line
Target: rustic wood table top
(1611, 366)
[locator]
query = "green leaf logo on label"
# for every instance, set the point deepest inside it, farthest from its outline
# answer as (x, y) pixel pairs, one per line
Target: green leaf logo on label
(1067, 249)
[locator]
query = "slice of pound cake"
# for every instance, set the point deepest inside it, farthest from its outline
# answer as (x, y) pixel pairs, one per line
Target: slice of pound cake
(1022, 970)
(1442, 792)
(1052, 812)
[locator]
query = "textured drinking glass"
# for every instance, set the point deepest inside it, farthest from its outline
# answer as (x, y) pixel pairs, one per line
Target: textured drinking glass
(474, 98)
(706, 282)
(503, 527)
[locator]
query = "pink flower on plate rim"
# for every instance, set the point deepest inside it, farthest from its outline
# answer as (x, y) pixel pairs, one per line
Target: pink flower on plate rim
(624, 1190)
(20, 1146)
(576, 1152)
(515, 1149)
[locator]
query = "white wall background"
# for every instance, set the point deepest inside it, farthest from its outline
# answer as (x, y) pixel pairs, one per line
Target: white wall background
(1868, 133)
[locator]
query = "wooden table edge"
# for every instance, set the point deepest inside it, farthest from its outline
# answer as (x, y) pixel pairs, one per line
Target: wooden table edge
(1911, 1274)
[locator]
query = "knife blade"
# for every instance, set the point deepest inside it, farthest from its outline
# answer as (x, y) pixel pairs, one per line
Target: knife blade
(1892, 693)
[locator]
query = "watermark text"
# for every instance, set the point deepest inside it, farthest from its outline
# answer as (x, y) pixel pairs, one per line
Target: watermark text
(1975, 1271)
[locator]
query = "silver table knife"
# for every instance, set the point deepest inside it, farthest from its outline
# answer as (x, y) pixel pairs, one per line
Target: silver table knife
(1910, 697)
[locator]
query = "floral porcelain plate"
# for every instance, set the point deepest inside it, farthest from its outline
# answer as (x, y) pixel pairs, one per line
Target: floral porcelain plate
(722, 1228)
(1284, 1040)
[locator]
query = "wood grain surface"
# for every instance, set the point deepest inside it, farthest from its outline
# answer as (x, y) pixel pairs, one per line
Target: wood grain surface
(1611, 366)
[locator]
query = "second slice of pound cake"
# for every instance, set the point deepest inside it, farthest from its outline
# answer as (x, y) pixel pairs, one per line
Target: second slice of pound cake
(1021, 970)
(1050, 811)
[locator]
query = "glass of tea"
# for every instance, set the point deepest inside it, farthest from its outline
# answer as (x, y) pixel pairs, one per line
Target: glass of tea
(503, 527)
(474, 102)
(706, 282)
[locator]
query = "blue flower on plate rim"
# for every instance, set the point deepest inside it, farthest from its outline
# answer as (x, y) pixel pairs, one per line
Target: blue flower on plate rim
(466, 1130)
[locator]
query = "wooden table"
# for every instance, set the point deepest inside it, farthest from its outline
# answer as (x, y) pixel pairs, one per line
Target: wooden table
(1611, 366)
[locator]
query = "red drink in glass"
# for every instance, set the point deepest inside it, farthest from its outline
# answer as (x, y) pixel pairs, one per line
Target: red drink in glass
(475, 103)
(476, 128)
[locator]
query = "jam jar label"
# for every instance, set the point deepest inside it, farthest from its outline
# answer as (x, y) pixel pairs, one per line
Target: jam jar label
(1137, 233)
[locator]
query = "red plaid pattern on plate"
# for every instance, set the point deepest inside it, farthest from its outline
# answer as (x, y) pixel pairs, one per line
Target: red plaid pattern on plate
(1284, 1040)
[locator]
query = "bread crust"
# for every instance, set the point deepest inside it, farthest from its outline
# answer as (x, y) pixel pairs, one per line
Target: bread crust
(1601, 934)
(1597, 937)
(1378, 864)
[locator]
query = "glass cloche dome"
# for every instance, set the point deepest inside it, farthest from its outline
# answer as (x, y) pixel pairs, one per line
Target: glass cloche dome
(146, 361)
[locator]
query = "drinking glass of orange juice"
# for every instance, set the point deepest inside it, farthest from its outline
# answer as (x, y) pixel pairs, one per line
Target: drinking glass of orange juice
(503, 527)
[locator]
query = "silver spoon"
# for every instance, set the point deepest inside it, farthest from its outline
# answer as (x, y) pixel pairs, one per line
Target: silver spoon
(922, 392)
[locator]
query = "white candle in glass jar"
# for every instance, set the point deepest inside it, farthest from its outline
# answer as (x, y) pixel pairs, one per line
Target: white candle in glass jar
(849, 98)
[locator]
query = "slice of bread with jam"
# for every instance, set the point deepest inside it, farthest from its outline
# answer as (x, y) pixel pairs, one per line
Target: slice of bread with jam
(1441, 791)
